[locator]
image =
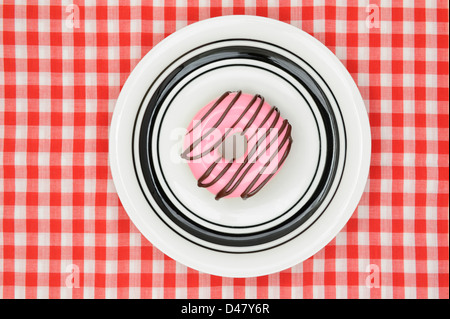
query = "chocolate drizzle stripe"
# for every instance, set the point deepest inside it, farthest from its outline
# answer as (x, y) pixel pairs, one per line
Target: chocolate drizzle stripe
(226, 191)
(273, 109)
(233, 183)
(208, 172)
(218, 143)
(253, 163)
(287, 137)
(219, 100)
(250, 122)
(246, 194)
(284, 125)
(248, 108)
(268, 131)
(198, 141)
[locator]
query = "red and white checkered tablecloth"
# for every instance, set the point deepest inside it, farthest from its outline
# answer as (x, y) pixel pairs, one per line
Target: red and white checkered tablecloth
(63, 231)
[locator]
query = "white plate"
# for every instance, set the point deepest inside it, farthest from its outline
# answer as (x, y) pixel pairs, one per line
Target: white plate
(302, 208)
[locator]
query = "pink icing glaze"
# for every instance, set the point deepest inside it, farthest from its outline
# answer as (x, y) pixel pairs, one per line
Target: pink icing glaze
(268, 138)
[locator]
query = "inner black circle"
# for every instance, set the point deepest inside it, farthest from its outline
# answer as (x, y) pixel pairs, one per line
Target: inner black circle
(146, 158)
(158, 135)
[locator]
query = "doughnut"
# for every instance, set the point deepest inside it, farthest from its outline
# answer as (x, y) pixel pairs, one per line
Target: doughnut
(225, 169)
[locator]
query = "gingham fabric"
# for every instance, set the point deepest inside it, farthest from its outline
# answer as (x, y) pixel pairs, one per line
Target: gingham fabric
(63, 231)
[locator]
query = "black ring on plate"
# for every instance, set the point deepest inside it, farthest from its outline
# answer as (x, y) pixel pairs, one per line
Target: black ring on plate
(281, 214)
(267, 235)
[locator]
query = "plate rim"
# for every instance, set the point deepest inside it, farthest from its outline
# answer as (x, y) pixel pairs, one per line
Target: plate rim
(155, 238)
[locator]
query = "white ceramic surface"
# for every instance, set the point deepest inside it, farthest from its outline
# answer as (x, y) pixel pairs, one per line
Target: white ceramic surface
(281, 192)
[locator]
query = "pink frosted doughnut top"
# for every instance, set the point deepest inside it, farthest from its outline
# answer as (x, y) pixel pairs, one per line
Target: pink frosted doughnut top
(267, 137)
